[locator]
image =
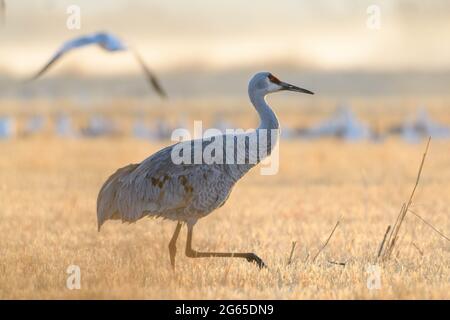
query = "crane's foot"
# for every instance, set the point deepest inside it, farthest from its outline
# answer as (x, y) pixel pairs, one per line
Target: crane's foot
(253, 258)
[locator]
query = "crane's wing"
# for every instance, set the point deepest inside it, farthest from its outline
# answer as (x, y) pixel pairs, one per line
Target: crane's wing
(154, 82)
(158, 187)
(149, 188)
(104, 40)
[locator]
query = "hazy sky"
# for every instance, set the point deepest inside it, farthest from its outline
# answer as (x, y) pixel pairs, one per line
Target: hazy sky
(321, 34)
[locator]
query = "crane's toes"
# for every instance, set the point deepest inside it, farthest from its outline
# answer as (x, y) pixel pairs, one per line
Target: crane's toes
(253, 258)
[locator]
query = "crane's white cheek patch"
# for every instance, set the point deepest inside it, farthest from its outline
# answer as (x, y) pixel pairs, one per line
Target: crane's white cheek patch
(272, 87)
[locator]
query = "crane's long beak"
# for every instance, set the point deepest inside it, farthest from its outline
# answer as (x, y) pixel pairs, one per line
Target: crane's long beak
(290, 87)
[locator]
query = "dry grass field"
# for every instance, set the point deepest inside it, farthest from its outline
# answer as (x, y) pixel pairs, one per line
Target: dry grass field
(48, 190)
(379, 67)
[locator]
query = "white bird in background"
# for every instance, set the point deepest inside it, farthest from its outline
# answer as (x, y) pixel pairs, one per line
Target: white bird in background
(186, 192)
(140, 129)
(7, 127)
(34, 125)
(343, 124)
(63, 126)
(99, 126)
(107, 42)
(422, 126)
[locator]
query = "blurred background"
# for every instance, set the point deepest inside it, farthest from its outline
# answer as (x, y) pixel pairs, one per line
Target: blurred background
(380, 71)
(369, 82)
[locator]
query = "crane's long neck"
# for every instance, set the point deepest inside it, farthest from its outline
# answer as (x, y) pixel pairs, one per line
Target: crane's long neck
(268, 119)
(268, 123)
(268, 130)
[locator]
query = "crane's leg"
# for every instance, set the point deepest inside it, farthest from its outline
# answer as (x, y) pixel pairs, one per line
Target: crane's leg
(191, 253)
(173, 244)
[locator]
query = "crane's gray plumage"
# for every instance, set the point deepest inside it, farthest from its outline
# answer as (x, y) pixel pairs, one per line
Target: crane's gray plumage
(108, 42)
(187, 192)
(158, 187)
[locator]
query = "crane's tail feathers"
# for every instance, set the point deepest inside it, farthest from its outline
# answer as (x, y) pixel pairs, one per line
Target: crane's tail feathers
(107, 208)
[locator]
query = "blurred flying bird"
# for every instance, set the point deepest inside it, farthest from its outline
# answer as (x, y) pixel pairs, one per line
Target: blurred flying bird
(108, 42)
(189, 190)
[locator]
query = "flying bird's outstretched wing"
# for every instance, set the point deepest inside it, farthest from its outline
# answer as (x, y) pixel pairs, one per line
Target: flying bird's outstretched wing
(150, 76)
(106, 41)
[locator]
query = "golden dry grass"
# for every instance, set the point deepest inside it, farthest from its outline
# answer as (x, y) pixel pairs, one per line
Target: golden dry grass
(48, 192)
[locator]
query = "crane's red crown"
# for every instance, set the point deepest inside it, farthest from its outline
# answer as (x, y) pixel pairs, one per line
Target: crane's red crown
(274, 79)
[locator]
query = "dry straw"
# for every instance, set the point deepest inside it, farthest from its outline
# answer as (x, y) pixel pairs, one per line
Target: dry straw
(430, 225)
(386, 247)
(326, 242)
(294, 243)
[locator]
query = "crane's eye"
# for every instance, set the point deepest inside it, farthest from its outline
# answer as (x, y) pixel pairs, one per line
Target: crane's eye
(274, 79)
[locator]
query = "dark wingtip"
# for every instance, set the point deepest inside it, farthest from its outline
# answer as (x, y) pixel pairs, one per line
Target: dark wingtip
(31, 79)
(163, 95)
(152, 79)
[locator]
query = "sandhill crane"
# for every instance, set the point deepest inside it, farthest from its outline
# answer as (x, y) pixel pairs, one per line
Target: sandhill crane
(141, 129)
(34, 125)
(413, 130)
(108, 42)
(187, 191)
(63, 126)
(343, 124)
(158, 130)
(7, 127)
(99, 126)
